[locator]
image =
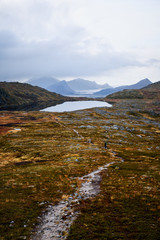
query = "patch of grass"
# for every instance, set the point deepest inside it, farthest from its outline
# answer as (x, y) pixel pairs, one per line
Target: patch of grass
(42, 161)
(39, 164)
(128, 206)
(25, 190)
(108, 218)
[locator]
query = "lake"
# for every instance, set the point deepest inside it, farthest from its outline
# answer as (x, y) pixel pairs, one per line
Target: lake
(77, 105)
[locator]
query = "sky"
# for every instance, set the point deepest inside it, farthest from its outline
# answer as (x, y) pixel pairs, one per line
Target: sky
(107, 41)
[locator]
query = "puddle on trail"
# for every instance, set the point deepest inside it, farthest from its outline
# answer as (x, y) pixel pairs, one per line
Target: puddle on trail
(57, 220)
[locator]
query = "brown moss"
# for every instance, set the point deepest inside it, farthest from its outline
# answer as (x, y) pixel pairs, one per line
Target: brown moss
(40, 163)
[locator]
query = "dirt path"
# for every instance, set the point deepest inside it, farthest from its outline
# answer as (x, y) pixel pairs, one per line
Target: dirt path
(56, 222)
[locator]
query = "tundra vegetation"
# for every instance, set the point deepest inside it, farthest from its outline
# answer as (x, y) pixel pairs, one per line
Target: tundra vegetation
(43, 154)
(22, 96)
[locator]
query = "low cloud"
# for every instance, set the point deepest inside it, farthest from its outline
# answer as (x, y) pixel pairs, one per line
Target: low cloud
(69, 57)
(83, 38)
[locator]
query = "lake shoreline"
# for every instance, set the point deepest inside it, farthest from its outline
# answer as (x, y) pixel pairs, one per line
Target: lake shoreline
(70, 106)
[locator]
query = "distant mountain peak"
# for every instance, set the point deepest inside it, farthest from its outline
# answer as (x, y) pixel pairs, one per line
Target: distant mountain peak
(142, 83)
(80, 84)
(155, 85)
(43, 82)
(145, 80)
(151, 91)
(61, 87)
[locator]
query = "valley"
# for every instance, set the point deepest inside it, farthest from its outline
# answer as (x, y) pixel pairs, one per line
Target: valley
(44, 155)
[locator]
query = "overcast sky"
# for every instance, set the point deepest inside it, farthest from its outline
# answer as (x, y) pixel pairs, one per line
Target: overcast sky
(113, 41)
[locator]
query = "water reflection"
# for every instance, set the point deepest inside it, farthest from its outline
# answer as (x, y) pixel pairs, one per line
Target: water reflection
(77, 105)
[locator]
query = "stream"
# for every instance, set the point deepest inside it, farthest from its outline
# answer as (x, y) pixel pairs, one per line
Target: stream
(57, 220)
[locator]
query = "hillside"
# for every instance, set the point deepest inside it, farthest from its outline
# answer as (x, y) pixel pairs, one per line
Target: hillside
(127, 93)
(152, 91)
(142, 83)
(22, 96)
(152, 86)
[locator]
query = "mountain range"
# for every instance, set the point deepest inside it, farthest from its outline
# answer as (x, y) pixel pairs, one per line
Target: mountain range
(23, 96)
(142, 83)
(152, 91)
(82, 87)
(80, 84)
(73, 87)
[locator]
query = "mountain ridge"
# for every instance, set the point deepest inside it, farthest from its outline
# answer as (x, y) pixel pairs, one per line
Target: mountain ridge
(142, 83)
(61, 87)
(72, 87)
(43, 82)
(82, 84)
(152, 91)
(23, 96)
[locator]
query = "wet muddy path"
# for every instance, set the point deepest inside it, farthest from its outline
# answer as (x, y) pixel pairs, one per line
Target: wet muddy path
(57, 220)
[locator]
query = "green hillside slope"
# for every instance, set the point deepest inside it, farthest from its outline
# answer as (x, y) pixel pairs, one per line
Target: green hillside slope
(22, 96)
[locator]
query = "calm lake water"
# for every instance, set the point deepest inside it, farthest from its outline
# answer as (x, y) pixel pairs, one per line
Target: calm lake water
(77, 105)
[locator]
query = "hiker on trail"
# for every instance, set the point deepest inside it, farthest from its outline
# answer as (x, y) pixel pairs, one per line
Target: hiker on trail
(105, 145)
(89, 141)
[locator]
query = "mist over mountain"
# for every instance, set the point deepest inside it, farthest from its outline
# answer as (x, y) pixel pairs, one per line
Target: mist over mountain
(142, 83)
(80, 84)
(82, 87)
(43, 82)
(61, 87)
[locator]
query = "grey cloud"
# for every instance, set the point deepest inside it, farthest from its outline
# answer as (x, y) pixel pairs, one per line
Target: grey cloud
(7, 39)
(20, 59)
(153, 61)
